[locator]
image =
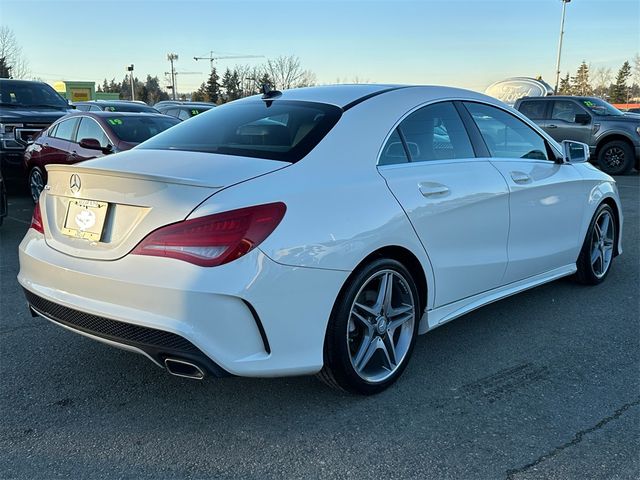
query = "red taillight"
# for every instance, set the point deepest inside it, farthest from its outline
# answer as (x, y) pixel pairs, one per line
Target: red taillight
(36, 220)
(215, 239)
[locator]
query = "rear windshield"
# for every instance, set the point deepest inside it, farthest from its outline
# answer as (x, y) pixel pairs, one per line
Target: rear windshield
(125, 107)
(137, 129)
(276, 130)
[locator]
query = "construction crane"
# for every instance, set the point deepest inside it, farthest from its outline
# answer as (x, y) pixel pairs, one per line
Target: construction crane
(212, 58)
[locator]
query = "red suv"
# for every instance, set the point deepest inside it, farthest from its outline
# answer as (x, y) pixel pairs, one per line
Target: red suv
(84, 135)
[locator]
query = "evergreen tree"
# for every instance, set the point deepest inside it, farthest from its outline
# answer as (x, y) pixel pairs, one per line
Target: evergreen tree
(200, 95)
(213, 86)
(227, 85)
(580, 83)
(565, 86)
(619, 90)
(5, 70)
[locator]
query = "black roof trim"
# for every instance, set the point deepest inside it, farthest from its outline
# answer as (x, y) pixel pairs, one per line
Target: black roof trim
(371, 95)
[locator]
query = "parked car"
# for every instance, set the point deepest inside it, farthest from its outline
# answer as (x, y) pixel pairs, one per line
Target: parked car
(166, 102)
(612, 136)
(84, 135)
(4, 205)
(26, 108)
(321, 242)
(114, 106)
(185, 110)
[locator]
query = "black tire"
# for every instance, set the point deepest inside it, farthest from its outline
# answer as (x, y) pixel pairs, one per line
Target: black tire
(338, 371)
(616, 157)
(586, 273)
(33, 173)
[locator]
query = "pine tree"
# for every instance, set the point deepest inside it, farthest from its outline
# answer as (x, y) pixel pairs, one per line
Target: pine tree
(580, 82)
(213, 86)
(565, 86)
(619, 90)
(227, 85)
(200, 95)
(5, 70)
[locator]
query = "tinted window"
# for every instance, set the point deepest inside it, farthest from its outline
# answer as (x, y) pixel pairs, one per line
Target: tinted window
(533, 109)
(436, 132)
(65, 129)
(171, 111)
(183, 115)
(137, 129)
(505, 135)
(93, 108)
(89, 128)
(393, 151)
(83, 108)
(128, 107)
(30, 93)
(246, 129)
(565, 110)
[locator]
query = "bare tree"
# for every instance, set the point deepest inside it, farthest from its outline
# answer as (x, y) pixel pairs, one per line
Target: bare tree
(286, 72)
(636, 69)
(11, 51)
(602, 77)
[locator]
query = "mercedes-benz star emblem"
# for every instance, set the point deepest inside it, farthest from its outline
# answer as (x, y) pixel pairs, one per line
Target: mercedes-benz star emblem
(74, 183)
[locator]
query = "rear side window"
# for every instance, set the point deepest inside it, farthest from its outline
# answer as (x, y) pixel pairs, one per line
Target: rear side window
(276, 130)
(65, 129)
(535, 110)
(505, 135)
(183, 115)
(393, 151)
(436, 132)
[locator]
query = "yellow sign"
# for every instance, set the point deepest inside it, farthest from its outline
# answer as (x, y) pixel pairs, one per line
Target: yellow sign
(80, 94)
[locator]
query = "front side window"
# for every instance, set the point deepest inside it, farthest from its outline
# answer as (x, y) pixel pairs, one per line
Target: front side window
(248, 129)
(505, 135)
(565, 110)
(89, 128)
(535, 110)
(65, 129)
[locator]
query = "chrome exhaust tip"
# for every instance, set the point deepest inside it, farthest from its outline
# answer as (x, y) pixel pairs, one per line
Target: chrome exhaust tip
(182, 368)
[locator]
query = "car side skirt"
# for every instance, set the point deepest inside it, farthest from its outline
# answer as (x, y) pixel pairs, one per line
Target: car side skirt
(441, 315)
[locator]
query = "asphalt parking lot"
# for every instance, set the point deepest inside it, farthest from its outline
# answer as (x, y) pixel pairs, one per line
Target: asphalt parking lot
(542, 385)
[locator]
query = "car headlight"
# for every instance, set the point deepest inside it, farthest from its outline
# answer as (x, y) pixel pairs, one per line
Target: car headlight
(8, 129)
(638, 129)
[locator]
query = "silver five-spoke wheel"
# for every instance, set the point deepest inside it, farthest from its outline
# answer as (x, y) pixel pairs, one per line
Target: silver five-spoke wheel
(381, 325)
(602, 241)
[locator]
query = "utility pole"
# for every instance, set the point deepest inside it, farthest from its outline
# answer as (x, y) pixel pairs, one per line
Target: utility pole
(564, 8)
(173, 57)
(130, 70)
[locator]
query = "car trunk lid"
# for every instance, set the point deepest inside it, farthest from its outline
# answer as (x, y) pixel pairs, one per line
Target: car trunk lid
(101, 209)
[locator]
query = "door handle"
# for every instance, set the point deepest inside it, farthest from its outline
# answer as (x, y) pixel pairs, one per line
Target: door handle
(73, 154)
(552, 126)
(430, 189)
(520, 177)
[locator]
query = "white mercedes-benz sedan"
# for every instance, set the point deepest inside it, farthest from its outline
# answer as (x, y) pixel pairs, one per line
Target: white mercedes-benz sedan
(316, 230)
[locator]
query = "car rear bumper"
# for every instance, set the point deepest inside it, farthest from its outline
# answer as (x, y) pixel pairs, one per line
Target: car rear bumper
(251, 317)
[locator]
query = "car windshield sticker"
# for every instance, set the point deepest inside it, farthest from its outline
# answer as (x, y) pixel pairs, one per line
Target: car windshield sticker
(115, 121)
(589, 103)
(110, 109)
(194, 112)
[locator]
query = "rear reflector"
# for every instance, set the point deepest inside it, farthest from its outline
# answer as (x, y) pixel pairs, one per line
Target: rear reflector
(36, 220)
(215, 239)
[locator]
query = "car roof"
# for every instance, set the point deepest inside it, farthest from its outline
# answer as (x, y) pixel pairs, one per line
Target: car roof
(104, 114)
(560, 97)
(346, 96)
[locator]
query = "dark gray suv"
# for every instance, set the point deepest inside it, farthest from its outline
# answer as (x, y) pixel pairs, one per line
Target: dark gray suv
(613, 137)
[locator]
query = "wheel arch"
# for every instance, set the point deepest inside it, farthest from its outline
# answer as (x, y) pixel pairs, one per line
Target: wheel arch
(611, 137)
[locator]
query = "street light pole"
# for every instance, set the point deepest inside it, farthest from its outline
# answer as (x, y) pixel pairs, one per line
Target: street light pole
(564, 8)
(130, 70)
(173, 57)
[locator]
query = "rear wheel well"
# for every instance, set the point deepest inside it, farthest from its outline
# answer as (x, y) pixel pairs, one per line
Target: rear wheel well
(410, 261)
(616, 214)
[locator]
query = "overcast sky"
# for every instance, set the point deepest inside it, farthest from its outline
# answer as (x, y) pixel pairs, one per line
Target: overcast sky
(468, 43)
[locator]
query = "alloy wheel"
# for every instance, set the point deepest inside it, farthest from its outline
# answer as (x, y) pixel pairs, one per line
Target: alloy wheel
(614, 157)
(36, 184)
(381, 325)
(602, 240)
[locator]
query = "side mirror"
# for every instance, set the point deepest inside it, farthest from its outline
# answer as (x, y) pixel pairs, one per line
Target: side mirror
(582, 118)
(575, 152)
(90, 144)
